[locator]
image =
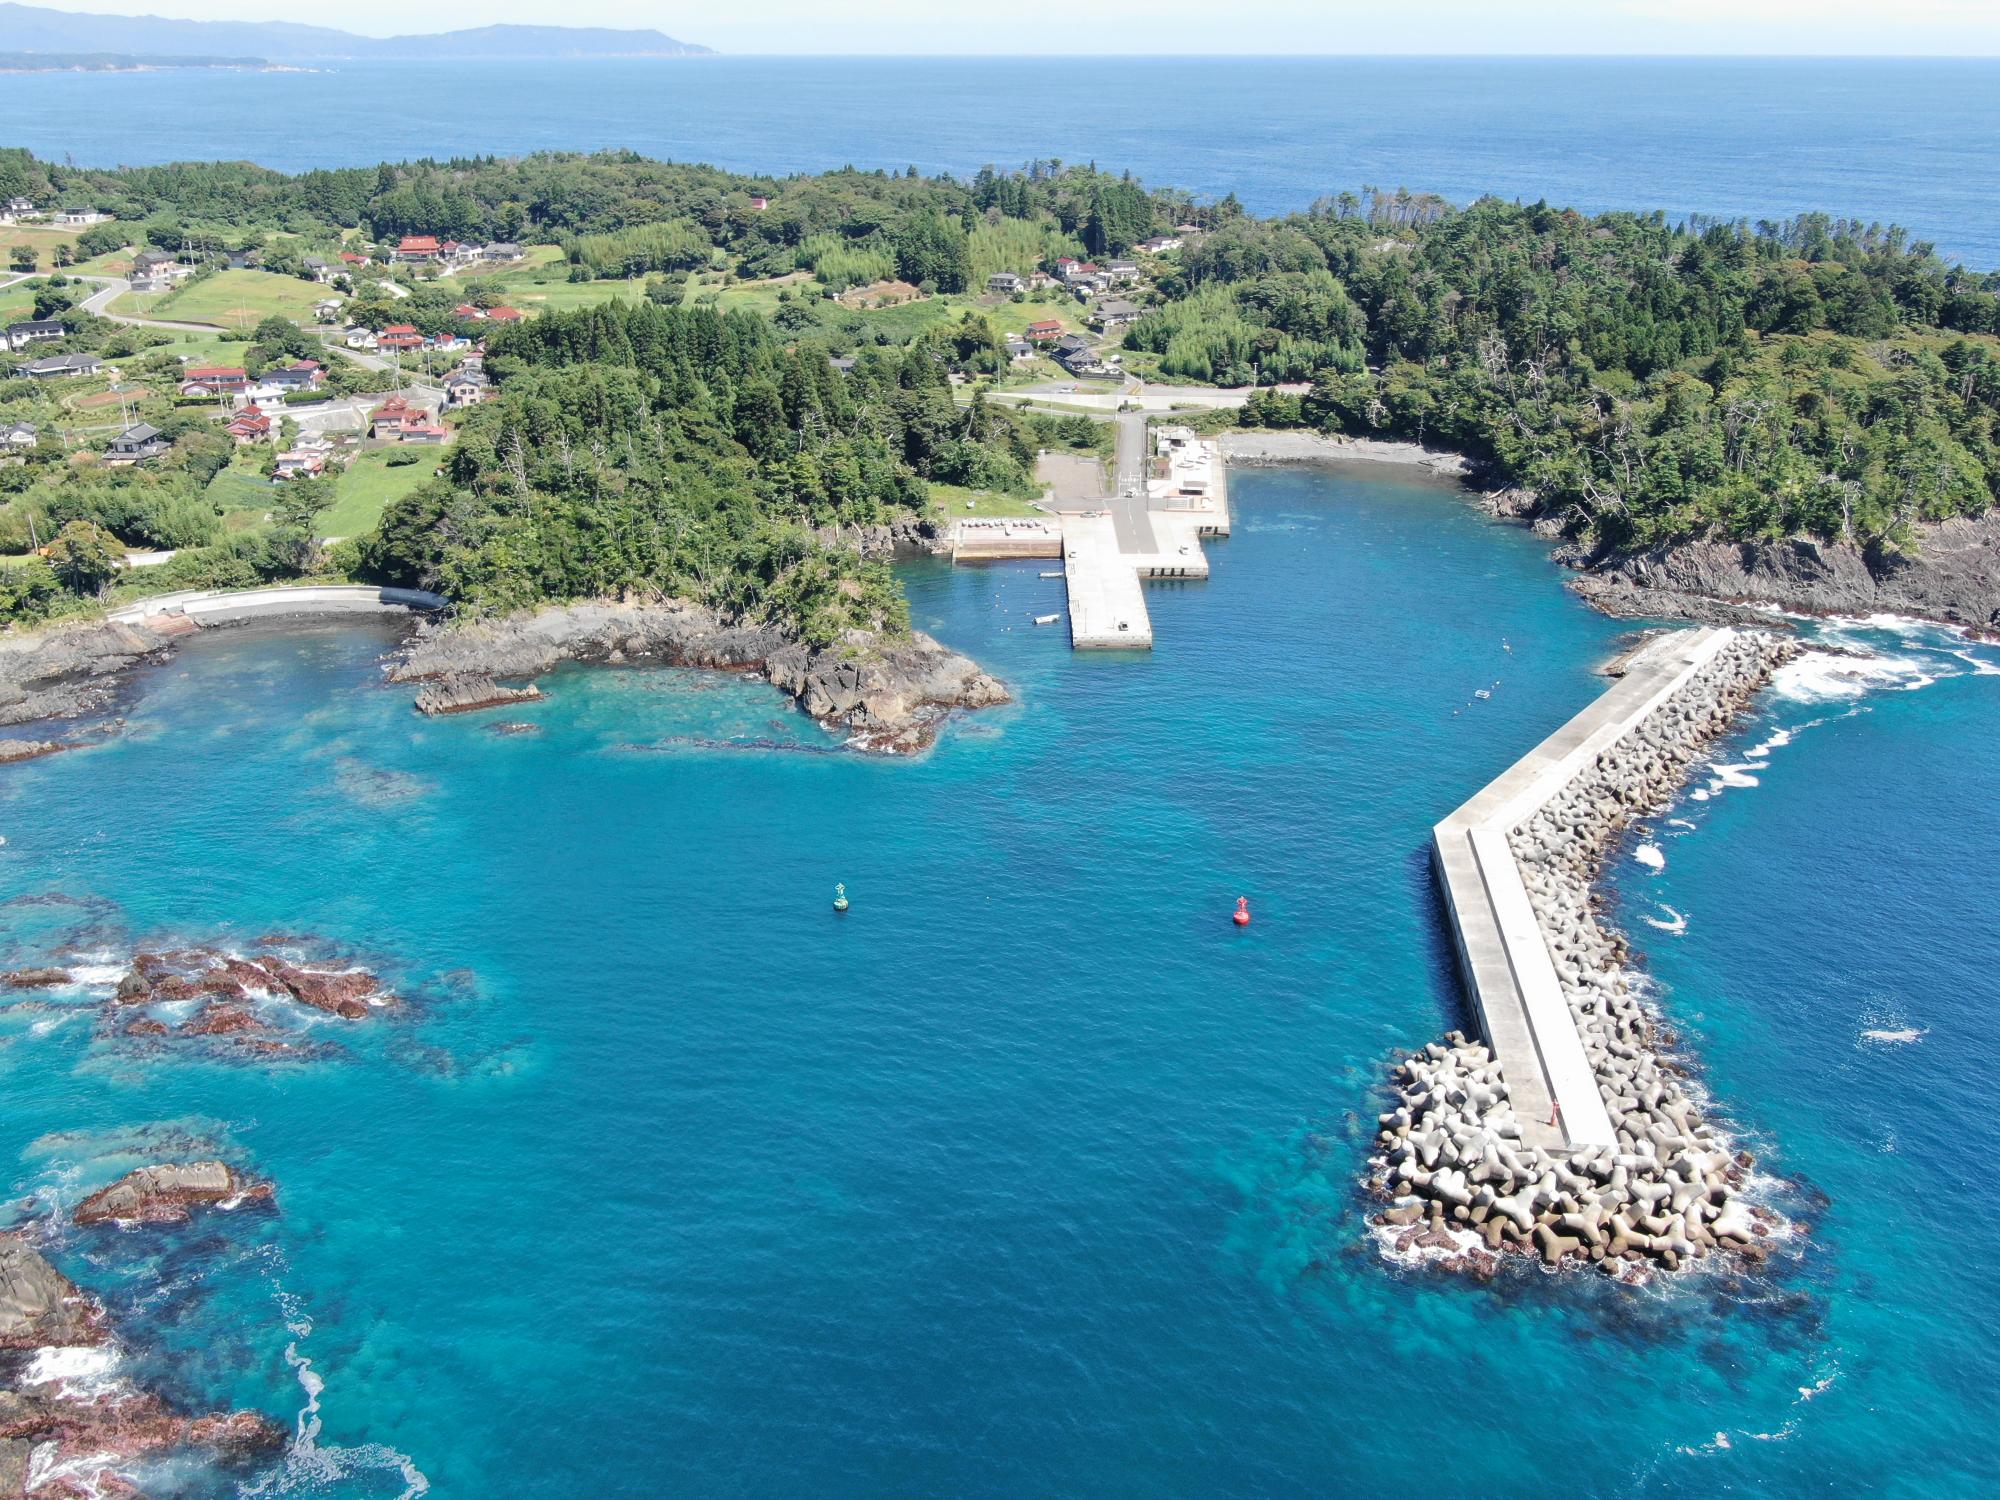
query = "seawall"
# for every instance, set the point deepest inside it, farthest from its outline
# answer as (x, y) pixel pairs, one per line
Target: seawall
(227, 606)
(1563, 1130)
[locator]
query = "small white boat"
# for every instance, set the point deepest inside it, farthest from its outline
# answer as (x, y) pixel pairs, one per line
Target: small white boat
(1052, 575)
(1047, 619)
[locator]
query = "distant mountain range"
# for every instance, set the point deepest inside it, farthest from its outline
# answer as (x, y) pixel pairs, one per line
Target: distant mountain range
(34, 28)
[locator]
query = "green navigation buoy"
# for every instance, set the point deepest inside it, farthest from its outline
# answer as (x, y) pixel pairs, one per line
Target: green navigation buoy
(840, 898)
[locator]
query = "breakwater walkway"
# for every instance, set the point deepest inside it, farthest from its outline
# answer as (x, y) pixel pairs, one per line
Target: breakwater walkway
(1162, 503)
(1563, 1130)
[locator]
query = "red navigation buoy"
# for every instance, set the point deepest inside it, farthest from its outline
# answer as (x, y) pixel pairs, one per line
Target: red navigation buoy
(1242, 916)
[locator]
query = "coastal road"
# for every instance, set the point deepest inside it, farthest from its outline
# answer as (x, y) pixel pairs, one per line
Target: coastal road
(111, 288)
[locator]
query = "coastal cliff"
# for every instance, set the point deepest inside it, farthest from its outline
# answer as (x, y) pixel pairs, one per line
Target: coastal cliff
(1952, 573)
(70, 670)
(889, 694)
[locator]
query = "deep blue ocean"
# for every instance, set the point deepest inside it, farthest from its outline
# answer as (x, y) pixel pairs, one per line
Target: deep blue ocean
(1905, 141)
(1029, 1176)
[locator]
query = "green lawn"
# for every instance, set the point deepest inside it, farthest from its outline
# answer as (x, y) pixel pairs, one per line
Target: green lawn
(951, 502)
(16, 303)
(231, 299)
(368, 487)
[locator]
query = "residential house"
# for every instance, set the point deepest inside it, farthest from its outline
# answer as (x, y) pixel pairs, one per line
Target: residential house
(1045, 331)
(306, 375)
(360, 338)
(249, 427)
(15, 436)
(16, 208)
(156, 270)
(501, 250)
(401, 421)
(504, 315)
(137, 445)
(1083, 361)
(300, 463)
(80, 218)
(458, 253)
(469, 313)
(213, 380)
(318, 269)
(351, 259)
(1040, 281)
(399, 336)
(1005, 283)
(58, 365)
(1115, 312)
(1020, 349)
(447, 343)
(36, 331)
(843, 363)
(1071, 343)
(417, 247)
(327, 310)
(758, 203)
(1122, 272)
(464, 387)
(1067, 266)
(1160, 244)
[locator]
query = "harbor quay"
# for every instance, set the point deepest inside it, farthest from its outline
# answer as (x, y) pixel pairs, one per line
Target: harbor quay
(1170, 492)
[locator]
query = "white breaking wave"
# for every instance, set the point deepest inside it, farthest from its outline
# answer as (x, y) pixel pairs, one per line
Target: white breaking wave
(1895, 1035)
(1824, 677)
(1651, 856)
(79, 1373)
(1677, 926)
(310, 1467)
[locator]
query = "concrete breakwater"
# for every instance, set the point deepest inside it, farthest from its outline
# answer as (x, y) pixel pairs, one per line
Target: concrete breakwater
(1566, 1130)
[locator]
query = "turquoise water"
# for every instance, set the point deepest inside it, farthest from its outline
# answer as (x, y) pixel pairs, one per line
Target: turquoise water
(1031, 1175)
(1903, 140)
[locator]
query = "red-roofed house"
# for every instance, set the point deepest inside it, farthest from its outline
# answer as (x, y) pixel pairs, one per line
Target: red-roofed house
(399, 336)
(1047, 331)
(300, 463)
(759, 202)
(349, 258)
(417, 247)
(467, 310)
(213, 380)
(249, 427)
(504, 314)
(387, 420)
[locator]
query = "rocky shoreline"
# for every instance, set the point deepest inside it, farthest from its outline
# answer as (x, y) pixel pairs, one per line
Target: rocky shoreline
(889, 696)
(1465, 1187)
(68, 1430)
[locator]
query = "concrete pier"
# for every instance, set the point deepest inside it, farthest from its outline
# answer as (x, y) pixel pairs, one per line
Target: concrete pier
(1509, 970)
(1169, 492)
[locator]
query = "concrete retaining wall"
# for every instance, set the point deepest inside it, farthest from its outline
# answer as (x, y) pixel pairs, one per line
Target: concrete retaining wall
(226, 606)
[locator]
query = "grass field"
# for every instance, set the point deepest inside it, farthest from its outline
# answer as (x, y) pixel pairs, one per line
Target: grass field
(231, 299)
(15, 304)
(951, 502)
(242, 486)
(368, 487)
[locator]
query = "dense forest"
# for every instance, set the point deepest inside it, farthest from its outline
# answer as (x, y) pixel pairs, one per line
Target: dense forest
(684, 451)
(1648, 381)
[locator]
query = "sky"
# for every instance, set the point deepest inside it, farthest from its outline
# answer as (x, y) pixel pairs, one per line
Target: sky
(1287, 27)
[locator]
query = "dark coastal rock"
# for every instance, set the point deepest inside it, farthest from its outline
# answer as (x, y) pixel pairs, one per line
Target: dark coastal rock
(39, 1305)
(12, 751)
(890, 694)
(34, 979)
(463, 694)
(1951, 573)
(70, 670)
(169, 1193)
(237, 1437)
(904, 537)
(226, 981)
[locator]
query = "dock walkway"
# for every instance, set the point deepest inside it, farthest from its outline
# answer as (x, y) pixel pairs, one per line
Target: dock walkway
(1522, 1012)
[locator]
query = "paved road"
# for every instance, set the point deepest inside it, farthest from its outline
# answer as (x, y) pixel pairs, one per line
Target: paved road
(113, 287)
(1128, 499)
